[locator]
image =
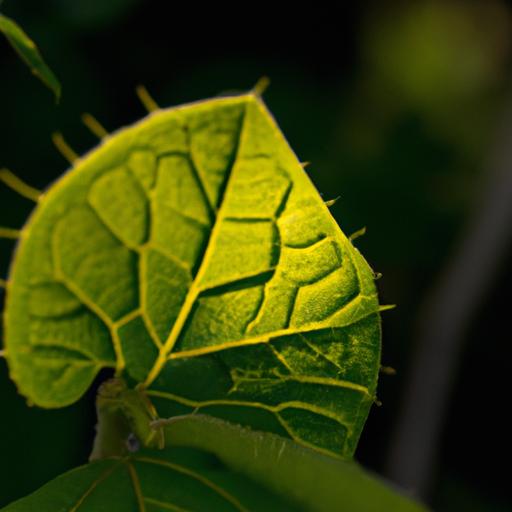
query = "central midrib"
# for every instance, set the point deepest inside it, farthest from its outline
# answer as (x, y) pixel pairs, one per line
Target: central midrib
(194, 289)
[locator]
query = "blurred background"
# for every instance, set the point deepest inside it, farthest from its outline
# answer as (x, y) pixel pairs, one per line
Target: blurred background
(404, 109)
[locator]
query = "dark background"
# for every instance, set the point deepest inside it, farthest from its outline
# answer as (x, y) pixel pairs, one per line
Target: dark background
(399, 107)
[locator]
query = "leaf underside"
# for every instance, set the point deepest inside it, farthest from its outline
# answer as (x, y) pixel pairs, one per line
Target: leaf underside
(240, 470)
(191, 253)
(29, 53)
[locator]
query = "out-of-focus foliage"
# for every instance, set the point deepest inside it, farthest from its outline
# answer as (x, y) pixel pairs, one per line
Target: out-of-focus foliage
(450, 63)
(28, 51)
(91, 15)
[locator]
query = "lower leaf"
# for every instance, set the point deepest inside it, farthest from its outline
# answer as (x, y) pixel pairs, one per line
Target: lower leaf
(211, 464)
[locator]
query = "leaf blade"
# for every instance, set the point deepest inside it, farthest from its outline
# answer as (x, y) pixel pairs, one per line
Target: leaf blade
(216, 270)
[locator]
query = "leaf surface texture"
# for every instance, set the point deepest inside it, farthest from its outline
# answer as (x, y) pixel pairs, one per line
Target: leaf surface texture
(191, 253)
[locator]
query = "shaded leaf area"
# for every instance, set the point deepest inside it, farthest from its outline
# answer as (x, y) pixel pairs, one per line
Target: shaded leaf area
(176, 480)
(214, 465)
(192, 253)
(28, 51)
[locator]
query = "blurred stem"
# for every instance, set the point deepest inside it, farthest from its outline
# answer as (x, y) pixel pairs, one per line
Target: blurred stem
(445, 318)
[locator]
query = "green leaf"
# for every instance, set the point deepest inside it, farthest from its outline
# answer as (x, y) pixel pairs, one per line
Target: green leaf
(28, 51)
(178, 480)
(310, 479)
(192, 253)
(213, 465)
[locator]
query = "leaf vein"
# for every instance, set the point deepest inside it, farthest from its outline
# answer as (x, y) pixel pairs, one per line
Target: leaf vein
(196, 476)
(136, 486)
(93, 486)
(194, 289)
(165, 505)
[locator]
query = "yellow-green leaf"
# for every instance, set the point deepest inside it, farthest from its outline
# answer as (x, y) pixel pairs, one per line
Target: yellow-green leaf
(192, 253)
(28, 51)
